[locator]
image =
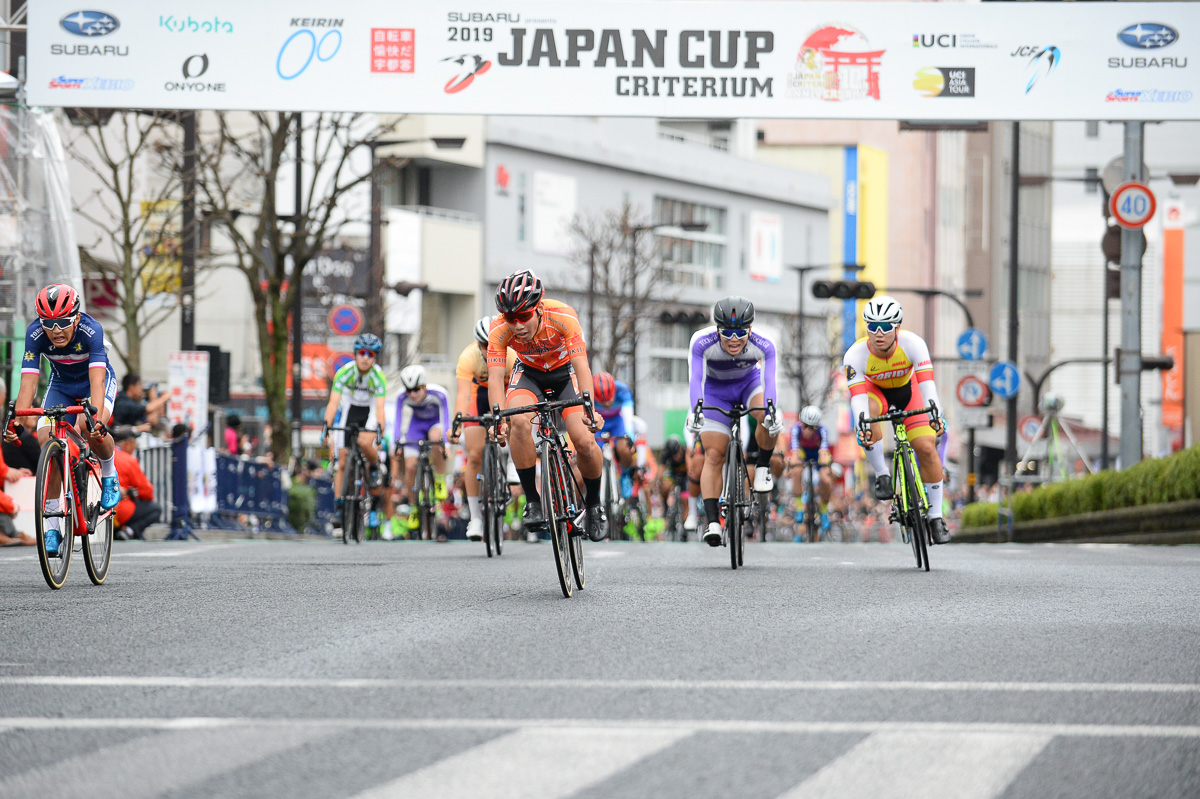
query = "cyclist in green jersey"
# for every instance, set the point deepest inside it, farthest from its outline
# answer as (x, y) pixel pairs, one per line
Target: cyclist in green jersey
(359, 389)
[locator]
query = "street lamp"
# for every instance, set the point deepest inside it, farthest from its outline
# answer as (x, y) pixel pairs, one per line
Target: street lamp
(374, 255)
(852, 271)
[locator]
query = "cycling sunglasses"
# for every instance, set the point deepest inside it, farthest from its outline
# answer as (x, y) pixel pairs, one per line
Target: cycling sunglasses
(366, 353)
(58, 324)
(519, 318)
(734, 333)
(880, 327)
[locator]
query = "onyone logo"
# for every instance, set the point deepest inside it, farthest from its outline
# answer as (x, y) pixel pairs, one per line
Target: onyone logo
(195, 65)
(89, 23)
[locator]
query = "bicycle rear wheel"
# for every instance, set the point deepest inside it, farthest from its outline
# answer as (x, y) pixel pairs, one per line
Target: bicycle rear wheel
(54, 567)
(97, 544)
(554, 507)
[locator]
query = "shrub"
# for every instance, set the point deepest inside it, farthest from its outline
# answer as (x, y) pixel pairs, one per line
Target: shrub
(979, 514)
(1182, 475)
(302, 506)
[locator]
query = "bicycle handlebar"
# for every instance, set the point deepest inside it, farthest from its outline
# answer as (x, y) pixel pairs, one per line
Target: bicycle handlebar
(737, 412)
(54, 412)
(546, 406)
(896, 416)
(487, 420)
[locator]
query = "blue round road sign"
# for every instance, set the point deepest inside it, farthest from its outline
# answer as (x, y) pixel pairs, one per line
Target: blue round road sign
(972, 345)
(1005, 379)
(345, 320)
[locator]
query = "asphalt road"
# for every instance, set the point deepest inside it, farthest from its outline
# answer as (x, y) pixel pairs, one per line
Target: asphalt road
(313, 669)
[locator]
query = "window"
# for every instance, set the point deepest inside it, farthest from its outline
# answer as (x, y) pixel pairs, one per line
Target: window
(1091, 176)
(521, 207)
(692, 258)
(1091, 129)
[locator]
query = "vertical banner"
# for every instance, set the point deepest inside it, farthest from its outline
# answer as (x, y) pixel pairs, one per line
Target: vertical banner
(187, 377)
(766, 246)
(403, 263)
(555, 199)
(850, 241)
(1172, 321)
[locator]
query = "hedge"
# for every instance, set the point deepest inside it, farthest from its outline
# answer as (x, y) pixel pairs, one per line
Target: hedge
(1171, 479)
(302, 506)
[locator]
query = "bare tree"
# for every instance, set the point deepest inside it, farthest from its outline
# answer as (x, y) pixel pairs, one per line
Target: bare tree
(624, 277)
(133, 155)
(241, 162)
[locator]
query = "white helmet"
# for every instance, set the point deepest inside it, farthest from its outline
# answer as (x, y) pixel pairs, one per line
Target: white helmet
(883, 309)
(811, 415)
(412, 377)
(482, 328)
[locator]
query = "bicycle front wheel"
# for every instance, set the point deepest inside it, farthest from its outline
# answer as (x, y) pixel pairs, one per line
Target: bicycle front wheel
(349, 512)
(733, 513)
(487, 493)
(97, 539)
(911, 513)
(499, 499)
(425, 510)
(50, 470)
(557, 524)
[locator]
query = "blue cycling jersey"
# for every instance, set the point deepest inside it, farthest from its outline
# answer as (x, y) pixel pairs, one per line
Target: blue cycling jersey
(614, 420)
(71, 364)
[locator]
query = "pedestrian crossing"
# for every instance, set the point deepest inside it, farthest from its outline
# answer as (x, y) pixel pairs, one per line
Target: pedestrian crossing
(532, 759)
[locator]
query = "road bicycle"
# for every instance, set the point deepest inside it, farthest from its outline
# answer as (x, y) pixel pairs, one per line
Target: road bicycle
(735, 502)
(562, 497)
(909, 501)
(423, 489)
(80, 515)
(814, 526)
(493, 482)
(620, 509)
(357, 500)
(674, 513)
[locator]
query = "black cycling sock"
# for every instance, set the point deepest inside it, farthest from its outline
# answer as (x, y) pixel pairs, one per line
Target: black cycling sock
(591, 489)
(529, 483)
(763, 457)
(712, 509)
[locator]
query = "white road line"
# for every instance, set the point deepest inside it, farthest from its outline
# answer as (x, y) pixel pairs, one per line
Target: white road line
(156, 761)
(694, 725)
(532, 763)
(899, 765)
(615, 685)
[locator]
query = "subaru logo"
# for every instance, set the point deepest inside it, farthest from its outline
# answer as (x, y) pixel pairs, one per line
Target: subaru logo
(1148, 35)
(90, 23)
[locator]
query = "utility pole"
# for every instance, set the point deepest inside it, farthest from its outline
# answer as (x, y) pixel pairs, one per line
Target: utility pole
(297, 304)
(187, 269)
(1129, 362)
(1014, 283)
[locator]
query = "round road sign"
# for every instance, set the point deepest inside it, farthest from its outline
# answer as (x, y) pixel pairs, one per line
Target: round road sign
(972, 392)
(1132, 204)
(345, 320)
(1028, 426)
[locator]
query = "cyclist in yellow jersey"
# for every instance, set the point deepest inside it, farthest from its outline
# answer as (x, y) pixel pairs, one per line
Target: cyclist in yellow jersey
(880, 370)
(472, 400)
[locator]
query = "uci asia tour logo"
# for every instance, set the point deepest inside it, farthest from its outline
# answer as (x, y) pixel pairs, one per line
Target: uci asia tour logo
(945, 81)
(836, 63)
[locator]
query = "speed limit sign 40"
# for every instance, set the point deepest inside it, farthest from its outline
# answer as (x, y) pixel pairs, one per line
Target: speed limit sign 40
(1132, 204)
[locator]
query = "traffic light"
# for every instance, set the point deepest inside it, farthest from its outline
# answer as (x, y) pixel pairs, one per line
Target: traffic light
(843, 290)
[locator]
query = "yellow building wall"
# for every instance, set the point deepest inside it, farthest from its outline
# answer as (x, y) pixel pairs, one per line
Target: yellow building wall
(873, 216)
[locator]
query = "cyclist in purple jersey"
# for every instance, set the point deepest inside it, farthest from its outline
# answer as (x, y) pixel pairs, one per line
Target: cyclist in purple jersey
(422, 414)
(731, 365)
(73, 344)
(810, 444)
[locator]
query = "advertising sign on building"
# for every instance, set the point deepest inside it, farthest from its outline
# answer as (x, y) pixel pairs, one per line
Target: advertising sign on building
(555, 199)
(766, 246)
(699, 60)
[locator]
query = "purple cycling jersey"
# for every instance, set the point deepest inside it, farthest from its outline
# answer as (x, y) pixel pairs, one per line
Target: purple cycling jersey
(710, 363)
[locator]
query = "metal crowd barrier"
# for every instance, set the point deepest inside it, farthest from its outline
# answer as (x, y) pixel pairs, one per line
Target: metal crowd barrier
(157, 462)
(250, 497)
(325, 516)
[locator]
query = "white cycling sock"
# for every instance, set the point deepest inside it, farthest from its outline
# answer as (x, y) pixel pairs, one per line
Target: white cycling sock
(691, 505)
(54, 506)
(934, 492)
(108, 467)
(875, 458)
(473, 504)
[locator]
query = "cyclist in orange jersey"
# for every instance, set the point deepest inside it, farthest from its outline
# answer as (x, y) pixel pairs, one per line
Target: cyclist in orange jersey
(551, 364)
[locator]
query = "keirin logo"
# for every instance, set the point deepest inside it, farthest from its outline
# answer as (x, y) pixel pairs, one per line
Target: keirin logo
(470, 66)
(1043, 63)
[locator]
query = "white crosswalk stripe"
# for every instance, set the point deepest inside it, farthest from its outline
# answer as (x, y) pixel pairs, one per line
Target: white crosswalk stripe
(531, 763)
(165, 762)
(917, 764)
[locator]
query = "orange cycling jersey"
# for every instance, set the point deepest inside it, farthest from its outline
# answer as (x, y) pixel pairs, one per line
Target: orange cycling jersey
(558, 339)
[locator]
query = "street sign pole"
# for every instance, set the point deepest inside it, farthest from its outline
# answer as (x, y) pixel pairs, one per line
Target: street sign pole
(1129, 365)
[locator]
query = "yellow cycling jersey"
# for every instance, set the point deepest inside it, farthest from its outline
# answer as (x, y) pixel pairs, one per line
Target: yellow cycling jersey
(473, 366)
(894, 371)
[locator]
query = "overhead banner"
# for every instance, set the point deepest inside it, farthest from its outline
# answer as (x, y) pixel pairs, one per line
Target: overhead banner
(910, 61)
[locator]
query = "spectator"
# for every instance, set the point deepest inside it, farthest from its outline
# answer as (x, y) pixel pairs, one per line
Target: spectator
(135, 406)
(9, 536)
(233, 424)
(24, 453)
(137, 509)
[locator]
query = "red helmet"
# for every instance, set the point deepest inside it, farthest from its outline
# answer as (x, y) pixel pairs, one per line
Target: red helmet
(519, 292)
(606, 387)
(57, 301)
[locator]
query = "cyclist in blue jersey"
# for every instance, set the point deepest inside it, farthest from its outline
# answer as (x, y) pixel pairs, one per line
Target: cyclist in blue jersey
(73, 344)
(810, 444)
(614, 404)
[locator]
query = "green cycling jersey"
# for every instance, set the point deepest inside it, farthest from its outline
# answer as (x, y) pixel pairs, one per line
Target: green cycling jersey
(357, 388)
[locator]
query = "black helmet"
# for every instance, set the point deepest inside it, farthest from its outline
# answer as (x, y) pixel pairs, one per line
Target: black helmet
(733, 312)
(521, 291)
